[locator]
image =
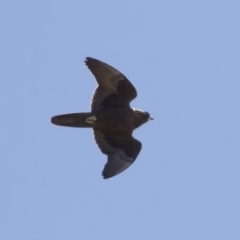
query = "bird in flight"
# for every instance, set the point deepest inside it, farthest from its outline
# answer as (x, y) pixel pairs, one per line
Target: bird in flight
(111, 118)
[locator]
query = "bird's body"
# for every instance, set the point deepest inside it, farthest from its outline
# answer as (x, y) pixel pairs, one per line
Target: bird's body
(121, 120)
(111, 117)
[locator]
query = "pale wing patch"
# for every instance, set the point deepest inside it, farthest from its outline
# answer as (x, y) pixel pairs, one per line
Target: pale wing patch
(117, 162)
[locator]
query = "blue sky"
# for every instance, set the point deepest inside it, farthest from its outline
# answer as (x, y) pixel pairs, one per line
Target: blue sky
(183, 57)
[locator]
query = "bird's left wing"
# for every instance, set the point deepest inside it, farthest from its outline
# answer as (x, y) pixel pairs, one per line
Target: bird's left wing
(122, 150)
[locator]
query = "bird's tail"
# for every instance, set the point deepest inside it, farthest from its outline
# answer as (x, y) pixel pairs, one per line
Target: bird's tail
(72, 120)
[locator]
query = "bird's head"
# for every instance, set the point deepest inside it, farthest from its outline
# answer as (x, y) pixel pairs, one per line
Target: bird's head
(141, 117)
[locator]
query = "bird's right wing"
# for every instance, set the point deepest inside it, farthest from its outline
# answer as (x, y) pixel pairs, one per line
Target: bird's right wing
(122, 150)
(114, 89)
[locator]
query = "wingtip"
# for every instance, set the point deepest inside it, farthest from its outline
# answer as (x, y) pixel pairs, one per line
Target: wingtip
(105, 177)
(88, 59)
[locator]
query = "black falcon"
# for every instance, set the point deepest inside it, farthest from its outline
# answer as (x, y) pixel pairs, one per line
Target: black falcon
(111, 117)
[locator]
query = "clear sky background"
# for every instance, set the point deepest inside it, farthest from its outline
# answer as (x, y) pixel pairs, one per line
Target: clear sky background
(183, 57)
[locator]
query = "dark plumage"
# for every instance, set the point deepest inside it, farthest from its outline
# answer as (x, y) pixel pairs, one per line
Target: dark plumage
(111, 117)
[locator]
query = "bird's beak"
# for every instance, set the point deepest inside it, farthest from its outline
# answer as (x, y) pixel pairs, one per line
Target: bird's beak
(150, 118)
